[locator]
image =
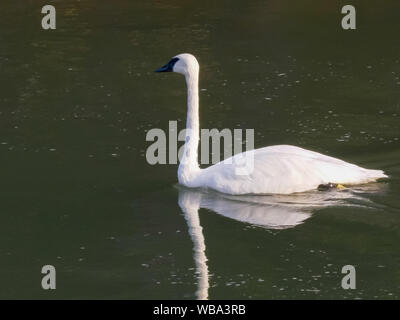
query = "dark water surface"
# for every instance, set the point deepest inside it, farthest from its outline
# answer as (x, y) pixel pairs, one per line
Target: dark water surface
(76, 190)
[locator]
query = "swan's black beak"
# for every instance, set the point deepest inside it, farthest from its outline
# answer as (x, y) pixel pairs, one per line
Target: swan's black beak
(169, 67)
(165, 68)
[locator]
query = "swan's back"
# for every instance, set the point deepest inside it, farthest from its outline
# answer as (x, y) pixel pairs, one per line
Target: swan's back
(282, 169)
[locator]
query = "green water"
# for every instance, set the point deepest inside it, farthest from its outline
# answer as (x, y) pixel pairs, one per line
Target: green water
(77, 192)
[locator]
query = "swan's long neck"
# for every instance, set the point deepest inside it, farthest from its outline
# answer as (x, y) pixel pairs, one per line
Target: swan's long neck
(189, 166)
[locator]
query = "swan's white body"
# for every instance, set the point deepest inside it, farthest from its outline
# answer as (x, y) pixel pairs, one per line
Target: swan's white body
(281, 169)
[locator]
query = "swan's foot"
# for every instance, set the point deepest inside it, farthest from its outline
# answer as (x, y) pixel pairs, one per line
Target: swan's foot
(330, 186)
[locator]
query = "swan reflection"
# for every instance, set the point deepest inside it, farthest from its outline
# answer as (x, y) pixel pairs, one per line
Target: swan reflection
(266, 211)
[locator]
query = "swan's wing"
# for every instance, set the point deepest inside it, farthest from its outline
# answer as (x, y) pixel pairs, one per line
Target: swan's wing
(282, 169)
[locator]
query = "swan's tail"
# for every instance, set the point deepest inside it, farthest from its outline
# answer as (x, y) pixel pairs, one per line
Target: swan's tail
(373, 175)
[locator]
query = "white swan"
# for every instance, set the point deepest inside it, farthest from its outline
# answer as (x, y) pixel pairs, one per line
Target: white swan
(281, 169)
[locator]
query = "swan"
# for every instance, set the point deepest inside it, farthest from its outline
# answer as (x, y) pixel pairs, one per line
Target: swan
(280, 169)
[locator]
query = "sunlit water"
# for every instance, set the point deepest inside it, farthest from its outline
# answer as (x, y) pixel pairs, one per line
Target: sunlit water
(77, 192)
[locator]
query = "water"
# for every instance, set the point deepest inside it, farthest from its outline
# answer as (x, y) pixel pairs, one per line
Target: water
(77, 192)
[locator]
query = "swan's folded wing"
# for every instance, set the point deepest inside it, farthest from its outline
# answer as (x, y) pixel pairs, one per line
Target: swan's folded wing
(283, 170)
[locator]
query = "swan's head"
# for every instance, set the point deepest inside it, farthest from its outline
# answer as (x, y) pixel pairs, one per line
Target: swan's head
(184, 63)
